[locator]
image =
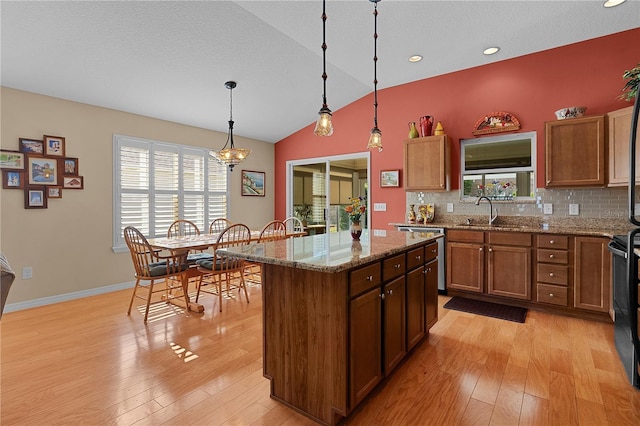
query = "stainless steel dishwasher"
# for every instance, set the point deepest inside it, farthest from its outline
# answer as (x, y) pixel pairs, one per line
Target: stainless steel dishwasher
(442, 289)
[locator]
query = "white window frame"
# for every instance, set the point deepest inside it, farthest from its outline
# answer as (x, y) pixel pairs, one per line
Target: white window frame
(119, 141)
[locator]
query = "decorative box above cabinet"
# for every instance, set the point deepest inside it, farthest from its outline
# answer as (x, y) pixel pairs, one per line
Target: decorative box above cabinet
(575, 152)
(426, 163)
(619, 126)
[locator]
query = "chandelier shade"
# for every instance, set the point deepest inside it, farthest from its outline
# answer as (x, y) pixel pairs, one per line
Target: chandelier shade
(375, 139)
(324, 126)
(231, 156)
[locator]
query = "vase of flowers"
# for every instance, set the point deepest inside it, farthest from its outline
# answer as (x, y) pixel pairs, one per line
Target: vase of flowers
(355, 210)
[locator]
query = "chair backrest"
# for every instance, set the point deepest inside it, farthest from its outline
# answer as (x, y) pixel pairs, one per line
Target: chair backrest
(219, 225)
(293, 224)
(146, 261)
(274, 230)
(234, 235)
(183, 228)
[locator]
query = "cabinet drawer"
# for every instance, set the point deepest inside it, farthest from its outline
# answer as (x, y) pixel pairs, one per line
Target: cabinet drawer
(465, 236)
(553, 294)
(553, 256)
(364, 278)
(415, 258)
(510, 238)
(553, 241)
(393, 267)
(553, 274)
(430, 252)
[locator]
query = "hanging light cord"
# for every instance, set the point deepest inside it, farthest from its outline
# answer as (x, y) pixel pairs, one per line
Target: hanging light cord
(375, 62)
(230, 138)
(324, 57)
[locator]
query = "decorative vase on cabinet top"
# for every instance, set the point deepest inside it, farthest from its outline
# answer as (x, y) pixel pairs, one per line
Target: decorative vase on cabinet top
(426, 125)
(413, 131)
(439, 129)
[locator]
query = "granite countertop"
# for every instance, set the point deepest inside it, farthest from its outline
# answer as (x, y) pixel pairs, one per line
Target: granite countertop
(574, 226)
(332, 252)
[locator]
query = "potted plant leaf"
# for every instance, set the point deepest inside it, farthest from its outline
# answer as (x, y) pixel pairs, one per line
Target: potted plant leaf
(631, 87)
(303, 212)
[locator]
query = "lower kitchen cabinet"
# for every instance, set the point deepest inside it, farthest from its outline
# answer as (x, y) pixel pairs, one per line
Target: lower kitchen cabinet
(416, 323)
(592, 274)
(465, 260)
(431, 289)
(395, 346)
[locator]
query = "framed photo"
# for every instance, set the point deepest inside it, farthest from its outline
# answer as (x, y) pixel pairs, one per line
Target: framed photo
(42, 171)
(12, 179)
(35, 197)
(73, 182)
(389, 178)
(13, 160)
(32, 146)
(54, 192)
(54, 146)
(253, 183)
(70, 167)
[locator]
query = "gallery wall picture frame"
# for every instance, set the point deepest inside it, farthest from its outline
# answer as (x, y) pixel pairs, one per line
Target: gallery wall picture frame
(32, 146)
(70, 167)
(73, 182)
(389, 178)
(253, 183)
(42, 170)
(12, 179)
(12, 160)
(53, 145)
(54, 191)
(35, 197)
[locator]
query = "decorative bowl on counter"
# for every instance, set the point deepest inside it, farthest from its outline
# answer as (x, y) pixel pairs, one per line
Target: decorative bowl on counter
(570, 112)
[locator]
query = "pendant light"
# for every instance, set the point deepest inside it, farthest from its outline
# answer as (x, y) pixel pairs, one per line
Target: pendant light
(375, 140)
(324, 127)
(231, 156)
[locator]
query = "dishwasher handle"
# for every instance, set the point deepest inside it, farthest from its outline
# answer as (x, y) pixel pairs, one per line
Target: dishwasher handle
(616, 249)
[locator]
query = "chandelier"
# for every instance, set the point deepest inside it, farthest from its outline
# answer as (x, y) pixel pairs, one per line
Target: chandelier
(231, 156)
(375, 140)
(324, 127)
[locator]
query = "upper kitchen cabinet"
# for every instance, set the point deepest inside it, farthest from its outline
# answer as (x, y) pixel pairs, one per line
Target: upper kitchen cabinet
(426, 163)
(575, 152)
(619, 126)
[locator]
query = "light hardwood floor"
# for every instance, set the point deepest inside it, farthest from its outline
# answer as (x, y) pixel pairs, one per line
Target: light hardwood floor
(86, 362)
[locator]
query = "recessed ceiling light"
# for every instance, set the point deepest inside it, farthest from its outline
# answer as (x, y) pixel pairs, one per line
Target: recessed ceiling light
(613, 3)
(491, 50)
(415, 58)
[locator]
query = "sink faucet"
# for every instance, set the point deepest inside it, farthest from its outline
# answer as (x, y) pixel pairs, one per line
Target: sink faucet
(492, 218)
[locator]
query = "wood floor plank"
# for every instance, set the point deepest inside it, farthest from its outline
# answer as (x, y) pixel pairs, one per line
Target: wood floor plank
(477, 413)
(535, 411)
(562, 402)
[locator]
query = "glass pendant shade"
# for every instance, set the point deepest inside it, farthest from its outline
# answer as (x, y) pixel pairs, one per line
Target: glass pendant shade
(375, 140)
(324, 127)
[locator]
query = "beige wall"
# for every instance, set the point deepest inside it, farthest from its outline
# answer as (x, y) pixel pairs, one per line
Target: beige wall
(69, 244)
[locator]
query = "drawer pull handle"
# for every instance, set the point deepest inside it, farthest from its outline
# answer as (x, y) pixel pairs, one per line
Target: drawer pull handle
(370, 278)
(434, 251)
(552, 242)
(397, 266)
(418, 257)
(550, 256)
(551, 274)
(550, 294)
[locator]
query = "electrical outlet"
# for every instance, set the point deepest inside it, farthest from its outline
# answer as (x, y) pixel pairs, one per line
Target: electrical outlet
(379, 207)
(449, 207)
(547, 208)
(27, 273)
(574, 209)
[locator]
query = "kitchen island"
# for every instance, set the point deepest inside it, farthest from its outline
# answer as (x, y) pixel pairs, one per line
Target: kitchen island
(340, 315)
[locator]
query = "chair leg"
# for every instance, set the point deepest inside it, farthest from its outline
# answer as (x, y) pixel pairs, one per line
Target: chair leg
(133, 296)
(220, 290)
(243, 286)
(146, 311)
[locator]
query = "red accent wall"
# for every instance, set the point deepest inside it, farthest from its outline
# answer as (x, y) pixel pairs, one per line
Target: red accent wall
(530, 87)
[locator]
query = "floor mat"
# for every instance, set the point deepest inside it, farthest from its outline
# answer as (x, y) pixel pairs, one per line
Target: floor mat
(487, 309)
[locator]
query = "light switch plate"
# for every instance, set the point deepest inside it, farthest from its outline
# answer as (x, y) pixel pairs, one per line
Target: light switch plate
(449, 207)
(574, 209)
(379, 233)
(379, 207)
(27, 273)
(547, 208)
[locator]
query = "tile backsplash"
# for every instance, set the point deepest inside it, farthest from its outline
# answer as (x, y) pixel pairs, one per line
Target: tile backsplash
(602, 203)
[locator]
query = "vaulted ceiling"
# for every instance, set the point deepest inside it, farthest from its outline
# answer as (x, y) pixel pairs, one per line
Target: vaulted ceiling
(169, 60)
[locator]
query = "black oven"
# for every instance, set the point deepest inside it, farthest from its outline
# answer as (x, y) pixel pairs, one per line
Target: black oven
(625, 284)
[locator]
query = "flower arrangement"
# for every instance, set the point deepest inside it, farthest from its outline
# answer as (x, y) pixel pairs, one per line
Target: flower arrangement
(356, 209)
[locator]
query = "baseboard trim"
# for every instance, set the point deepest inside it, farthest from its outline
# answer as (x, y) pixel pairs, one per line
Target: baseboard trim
(19, 306)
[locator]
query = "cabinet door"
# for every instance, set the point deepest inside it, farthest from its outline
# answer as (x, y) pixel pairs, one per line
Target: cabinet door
(431, 289)
(575, 152)
(426, 163)
(465, 267)
(619, 124)
(365, 361)
(395, 347)
(415, 307)
(592, 274)
(509, 272)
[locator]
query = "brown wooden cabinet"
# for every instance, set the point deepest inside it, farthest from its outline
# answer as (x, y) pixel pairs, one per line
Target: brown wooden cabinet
(426, 163)
(395, 342)
(465, 260)
(592, 274)
(575, 152)
(431, 289)
(422, 292)
(619, 130)
(553, 273)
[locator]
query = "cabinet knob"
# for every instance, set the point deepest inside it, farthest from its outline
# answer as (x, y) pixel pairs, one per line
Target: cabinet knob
(480, 249)
(426, 270)
(550, 256)
(550, 274)
(390, 292)
(490, 249)
(418, 257)
(397, 266)
(381, 296)
(552, 242)
(370, 278)
(434, 251)
(550, 294)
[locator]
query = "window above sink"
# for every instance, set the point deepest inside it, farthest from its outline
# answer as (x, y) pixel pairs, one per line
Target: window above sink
(499, 167)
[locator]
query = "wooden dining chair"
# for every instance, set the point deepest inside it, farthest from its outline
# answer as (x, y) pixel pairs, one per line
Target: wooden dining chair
(223, 269)
(151, 267)
(186, 228)
(293, 224)
(182, 228)
(272, 231)
(219, 225)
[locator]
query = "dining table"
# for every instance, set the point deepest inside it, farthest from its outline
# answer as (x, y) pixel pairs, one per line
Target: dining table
(182, 245)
